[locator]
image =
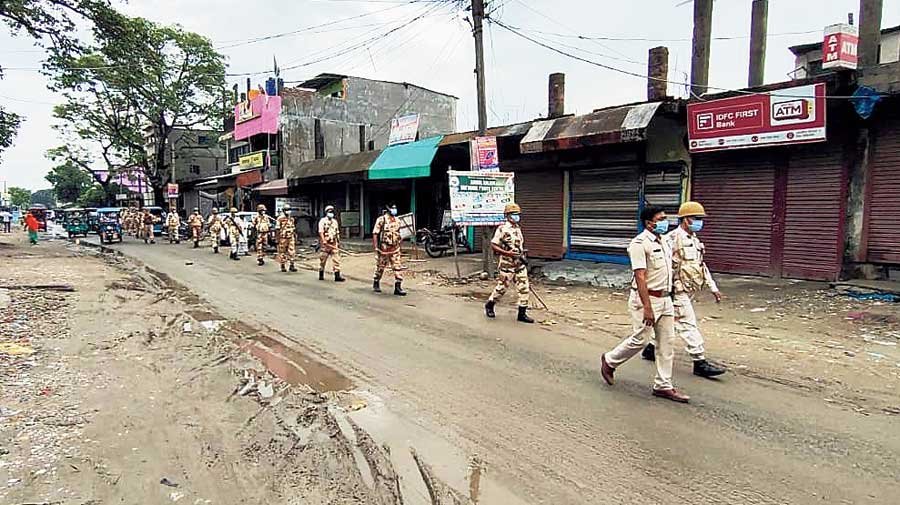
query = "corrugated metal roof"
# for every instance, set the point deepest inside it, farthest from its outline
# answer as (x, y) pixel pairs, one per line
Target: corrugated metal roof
(497, 131)
(277, 187)
(606, 126)
(334, 165)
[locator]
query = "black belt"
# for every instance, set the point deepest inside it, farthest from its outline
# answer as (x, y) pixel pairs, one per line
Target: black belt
(658, 293)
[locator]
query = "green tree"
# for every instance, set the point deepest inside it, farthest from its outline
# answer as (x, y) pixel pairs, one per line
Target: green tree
(9, 125)
(44, 197)
(19, 197)
(138, 75)
(93, 196)
(69, 181)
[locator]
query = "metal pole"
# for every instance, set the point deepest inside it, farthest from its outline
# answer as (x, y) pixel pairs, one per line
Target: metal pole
(759, 27)
(701, 46)
(487, 255)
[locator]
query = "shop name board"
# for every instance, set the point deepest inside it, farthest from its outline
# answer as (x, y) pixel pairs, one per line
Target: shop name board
(253, 160)
(479, 198)
(404, 129)
(172, 190)
(840, 49)
(786, 116)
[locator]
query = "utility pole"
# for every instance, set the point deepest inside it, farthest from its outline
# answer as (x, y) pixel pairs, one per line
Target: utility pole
(759, 28)
(487, 255)
(703, 10)
(870, 13)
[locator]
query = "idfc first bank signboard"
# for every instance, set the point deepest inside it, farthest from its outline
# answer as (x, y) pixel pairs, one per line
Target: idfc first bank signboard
(787, 116)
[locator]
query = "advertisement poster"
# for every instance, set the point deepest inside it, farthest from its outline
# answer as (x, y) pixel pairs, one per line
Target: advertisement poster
(786, 116)
(404, 129)
(484, 154)
(478, 198)
(172, 190)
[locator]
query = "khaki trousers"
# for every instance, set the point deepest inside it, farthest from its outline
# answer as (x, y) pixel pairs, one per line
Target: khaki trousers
(663, 331)
(686, 326)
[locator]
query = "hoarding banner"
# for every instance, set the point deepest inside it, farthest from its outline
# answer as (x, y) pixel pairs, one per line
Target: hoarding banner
(172, 190)
(786, 116)
(484, 154)
(478, 198)
(259, 115)
(404, 129)
(840, 47)
(254, 160)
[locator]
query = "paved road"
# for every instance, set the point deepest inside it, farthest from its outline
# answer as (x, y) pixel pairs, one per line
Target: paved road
(531, 403)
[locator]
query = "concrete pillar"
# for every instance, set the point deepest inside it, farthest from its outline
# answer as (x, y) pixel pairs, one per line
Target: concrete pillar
(556, 101)
(870, 12)
(703, 10)
(759, 28)
(363, 223)
(657, 74)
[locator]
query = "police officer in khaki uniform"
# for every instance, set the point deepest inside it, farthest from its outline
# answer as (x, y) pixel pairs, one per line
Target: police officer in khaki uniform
(386, 241)
(261, 224)
(286, 231)
(650, 305)
(690, 276)
(509, 244)
(214, 226)
(330, 244)
(195, 221)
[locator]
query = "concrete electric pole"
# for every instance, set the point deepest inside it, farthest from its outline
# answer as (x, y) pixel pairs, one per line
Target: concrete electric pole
(759, 23)
(703, 10)
(487, 255)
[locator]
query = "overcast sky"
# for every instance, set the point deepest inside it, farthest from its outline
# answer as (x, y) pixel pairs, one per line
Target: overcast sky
(431, 45)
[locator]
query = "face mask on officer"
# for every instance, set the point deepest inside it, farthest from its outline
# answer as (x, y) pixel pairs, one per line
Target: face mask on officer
(660, 227)
(330, 214)
(393, 211)
(695, 225)
(515, 218)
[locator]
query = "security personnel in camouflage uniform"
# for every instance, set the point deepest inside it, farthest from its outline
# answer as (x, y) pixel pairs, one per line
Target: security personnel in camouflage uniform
(173, 222)
(195, 221)
(214, 226)
(235, 227)
(509, 245)
(146, 226)
(386, 240)
(690, 276)
(329, 244)
(287, 241)
(261, 224)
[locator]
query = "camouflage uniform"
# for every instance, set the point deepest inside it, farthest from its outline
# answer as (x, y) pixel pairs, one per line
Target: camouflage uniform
(172, 224)
(691, 275)
(331, 231)
(147, 219)
(387, 228)
(287, 242)
(261, 224)
(234, 226)
(509, 238)
(214, 225)
(195, 221)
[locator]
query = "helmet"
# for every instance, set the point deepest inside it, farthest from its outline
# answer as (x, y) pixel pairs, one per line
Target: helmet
(511, 208)
(286, 207)
(233, 209)
(260, 208)
(215, 210)
(196, 209)
(330, 207)
(691, 209)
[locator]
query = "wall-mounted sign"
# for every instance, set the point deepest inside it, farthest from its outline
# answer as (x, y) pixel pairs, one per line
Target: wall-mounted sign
(404, 129)
(350, 218)
(478, 198)
(840, 47)
(786, 116)
(252, 160)
(172, 190)
(121, 196)
(484, 154)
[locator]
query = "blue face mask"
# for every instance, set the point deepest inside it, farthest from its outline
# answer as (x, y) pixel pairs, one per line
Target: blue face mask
(661, 227)
(515, 218)
(696, 225)
(393, 211)
(330, 215)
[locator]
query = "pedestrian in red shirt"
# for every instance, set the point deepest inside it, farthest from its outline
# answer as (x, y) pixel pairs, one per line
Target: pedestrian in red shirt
(32, 225)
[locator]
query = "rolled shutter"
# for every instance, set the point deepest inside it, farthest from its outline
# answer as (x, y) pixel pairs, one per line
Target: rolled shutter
(884, 181)
(540, 194)
(604, 204)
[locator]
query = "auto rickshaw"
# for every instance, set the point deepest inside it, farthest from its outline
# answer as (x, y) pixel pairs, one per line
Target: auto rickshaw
(160, 216)
(109, 228)
(75, 222)
(40, 213)
(92, 219)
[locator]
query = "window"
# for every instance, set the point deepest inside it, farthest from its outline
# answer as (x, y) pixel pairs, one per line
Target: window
(235, 153)
(203, 140)
(362, 138)
(319, 138)
(195, 169)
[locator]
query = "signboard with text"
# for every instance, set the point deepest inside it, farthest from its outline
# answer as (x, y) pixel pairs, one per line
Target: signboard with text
(253, 160)
(404, 129)
(484, 154)
(786, 116)
(478, 198)
(172, 190)
(840, 47)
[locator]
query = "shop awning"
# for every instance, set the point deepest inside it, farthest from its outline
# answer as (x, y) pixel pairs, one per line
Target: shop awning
(348, 167)
(277, 187)
(405, 161)
(607, 126)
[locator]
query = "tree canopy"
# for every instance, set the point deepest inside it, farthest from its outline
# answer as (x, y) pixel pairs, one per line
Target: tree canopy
(69, 181)
(19, 197)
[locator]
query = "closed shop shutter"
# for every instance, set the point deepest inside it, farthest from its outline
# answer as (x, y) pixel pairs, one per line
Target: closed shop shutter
(604, 213)
(882, 207)
(662, 187)
(737, 191)
(540, 194)
(813, 223)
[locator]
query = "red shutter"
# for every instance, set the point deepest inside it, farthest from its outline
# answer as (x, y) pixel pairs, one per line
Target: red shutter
(814, 210)
(737, 190)
(540, 194)
(884, 203)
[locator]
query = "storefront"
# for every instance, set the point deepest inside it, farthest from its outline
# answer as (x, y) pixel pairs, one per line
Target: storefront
(881, 238)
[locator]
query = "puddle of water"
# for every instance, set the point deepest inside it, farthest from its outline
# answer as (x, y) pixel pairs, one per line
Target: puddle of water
(294, 367)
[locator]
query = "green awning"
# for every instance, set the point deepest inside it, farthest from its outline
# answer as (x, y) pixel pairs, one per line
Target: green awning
(405, 161)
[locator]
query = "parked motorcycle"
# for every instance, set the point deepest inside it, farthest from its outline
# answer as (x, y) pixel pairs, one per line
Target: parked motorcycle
(437, 243)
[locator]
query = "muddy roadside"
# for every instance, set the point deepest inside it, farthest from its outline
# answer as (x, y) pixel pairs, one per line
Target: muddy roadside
(119, 385)
(794, 334)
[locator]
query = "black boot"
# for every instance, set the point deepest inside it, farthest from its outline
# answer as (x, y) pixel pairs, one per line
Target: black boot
(706, 369)
(292, 268)
(376, 286)
(398, 289)
(321, 275)
(523, 316)
(260, 261)
(489, 309)
(283, 269)
(649, 353)
(196, 245)
(216, 250)
(338, 277)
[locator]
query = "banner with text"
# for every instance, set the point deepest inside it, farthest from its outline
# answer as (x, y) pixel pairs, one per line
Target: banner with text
(484, 154)
(478, 198)
(786, 116)
(404, 129)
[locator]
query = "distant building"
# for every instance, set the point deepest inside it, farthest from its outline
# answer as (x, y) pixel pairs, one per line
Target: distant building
(195, 155)
(808, 57)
